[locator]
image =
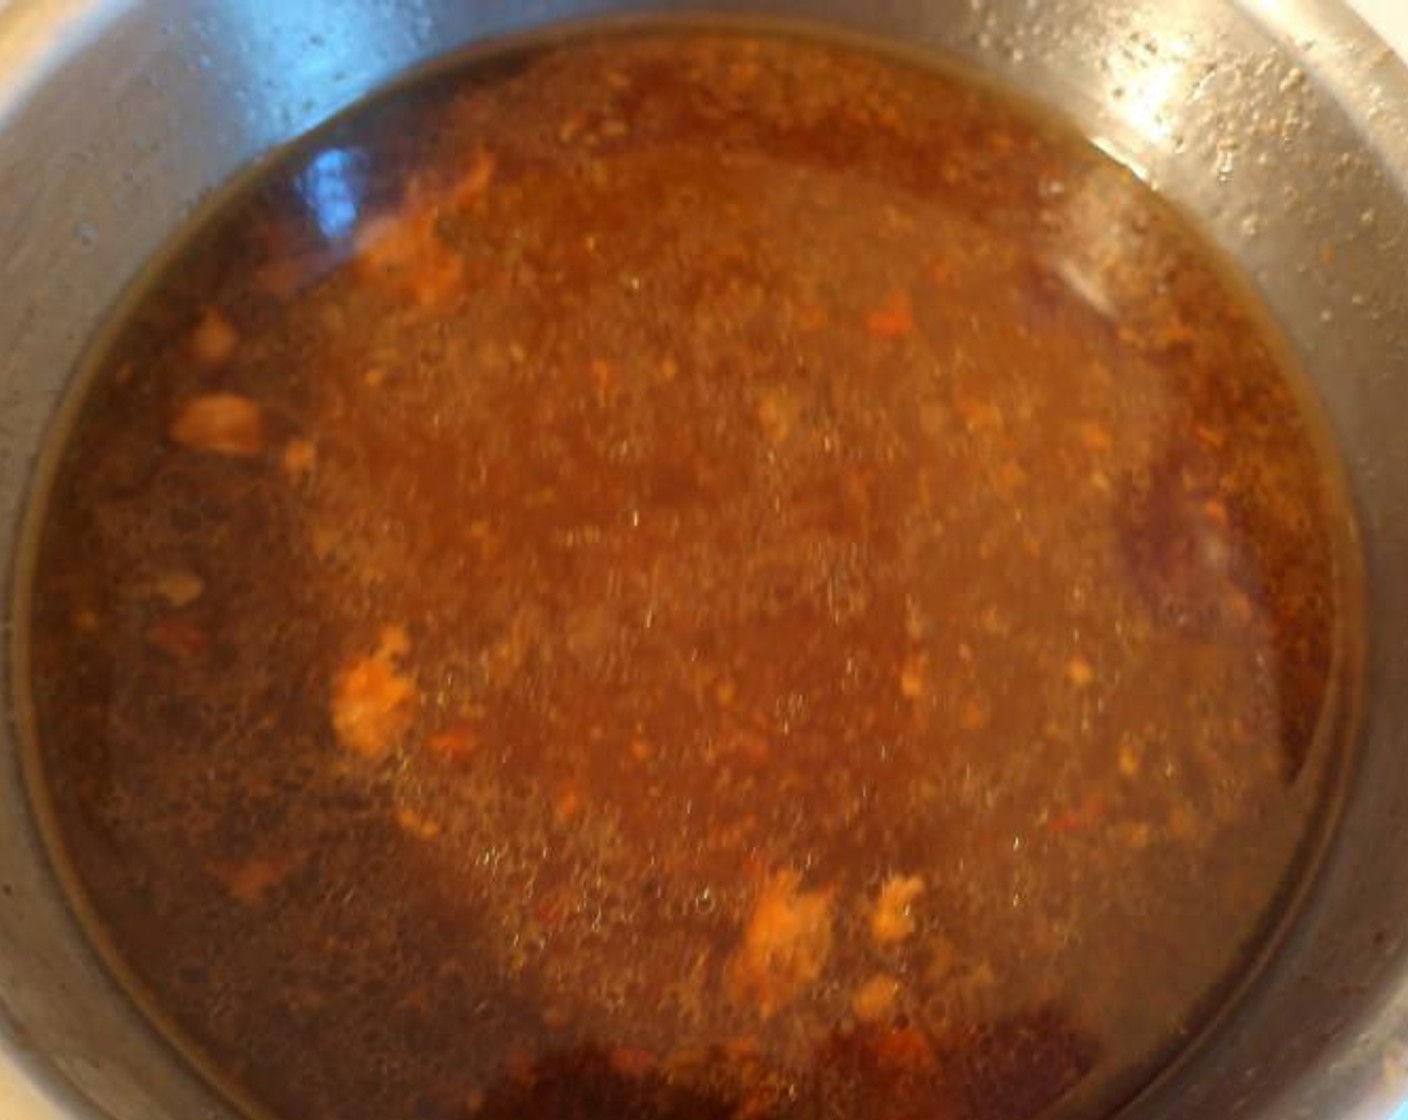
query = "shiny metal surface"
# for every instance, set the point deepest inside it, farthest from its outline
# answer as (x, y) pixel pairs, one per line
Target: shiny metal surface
(1283, 124)
(1389, 18)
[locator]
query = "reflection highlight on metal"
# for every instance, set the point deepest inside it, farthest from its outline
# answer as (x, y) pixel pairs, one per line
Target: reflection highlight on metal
(1151, 92)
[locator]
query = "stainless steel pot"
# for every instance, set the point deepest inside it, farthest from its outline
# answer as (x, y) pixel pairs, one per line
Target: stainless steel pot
(1283, 124)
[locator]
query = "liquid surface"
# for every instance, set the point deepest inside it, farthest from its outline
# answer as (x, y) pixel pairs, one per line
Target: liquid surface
(687, 576)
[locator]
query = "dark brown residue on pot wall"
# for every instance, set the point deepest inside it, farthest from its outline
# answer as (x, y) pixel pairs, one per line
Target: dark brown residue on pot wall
(683, 577)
